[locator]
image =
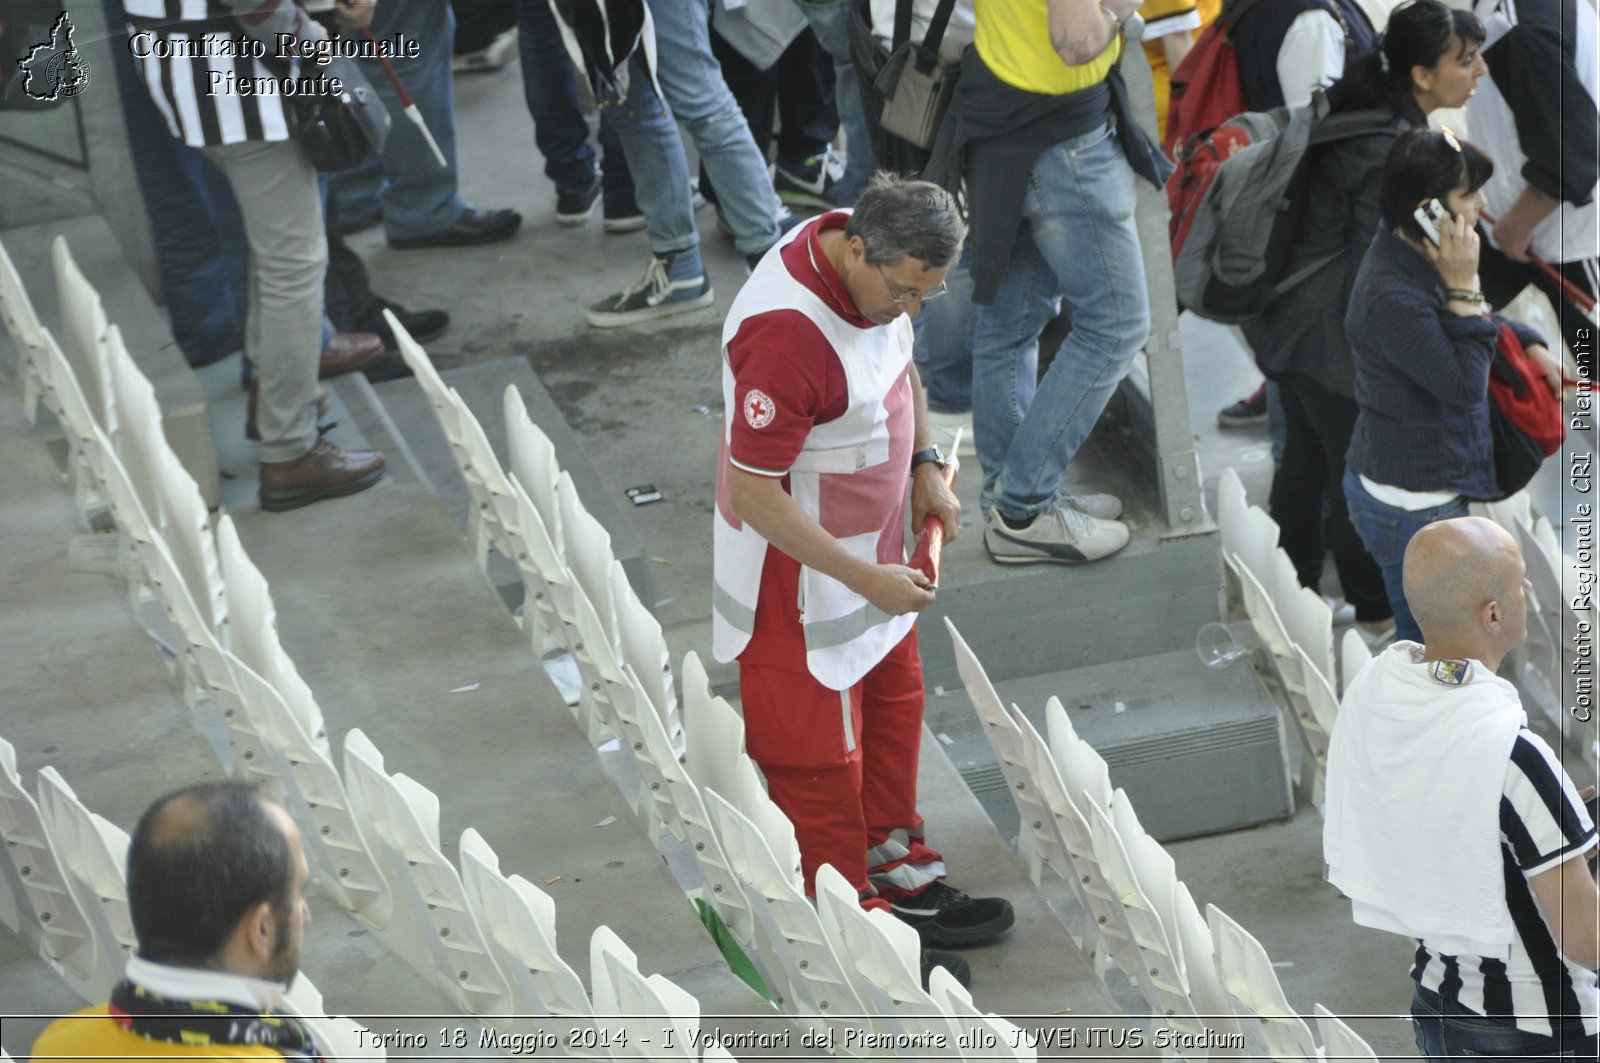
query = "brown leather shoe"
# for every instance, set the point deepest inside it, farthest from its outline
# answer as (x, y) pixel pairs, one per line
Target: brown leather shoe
(348, 351)
(254, 389)
(324, 471)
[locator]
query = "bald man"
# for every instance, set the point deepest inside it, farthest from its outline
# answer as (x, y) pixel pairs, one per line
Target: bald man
(216, 890)
(1448, 821)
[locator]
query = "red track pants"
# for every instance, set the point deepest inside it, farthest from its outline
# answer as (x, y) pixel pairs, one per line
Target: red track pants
(842, 765)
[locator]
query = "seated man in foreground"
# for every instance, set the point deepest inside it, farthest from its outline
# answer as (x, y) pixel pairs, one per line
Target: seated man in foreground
(216, 884)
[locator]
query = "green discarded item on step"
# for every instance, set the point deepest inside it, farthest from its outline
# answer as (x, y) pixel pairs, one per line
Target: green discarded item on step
(733, 952)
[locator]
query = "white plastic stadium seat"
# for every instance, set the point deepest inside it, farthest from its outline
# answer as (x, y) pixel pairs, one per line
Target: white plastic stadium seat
(886, 953)
(533, 463)
(61, 927)
(1339, 1041)
(139, 439)
(486, 484)
(640, 1008)
(546, 583)
(520, 919)
(83, 333)
(713, 731)
(588, 551)
(253, 633)
(1001, 731)
(341, 854)
(401, 816)
(1354, 653)
(72, 408)
(1161, 978)
(645, 648)
(340, 1038)
(796, 956)
(1247, 974)
(190, 539)
(95, 853)
(955, 1001)
(22, 322)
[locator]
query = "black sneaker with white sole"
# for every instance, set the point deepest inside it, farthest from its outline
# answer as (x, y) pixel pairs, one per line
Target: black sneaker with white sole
(946, 918)
(654, 295)
(957, 966)
(574, 205)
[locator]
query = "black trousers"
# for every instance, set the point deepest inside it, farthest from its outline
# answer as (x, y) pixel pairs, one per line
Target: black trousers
(1308, 502)
(1503, 279)
(799, 88)
(347, 288)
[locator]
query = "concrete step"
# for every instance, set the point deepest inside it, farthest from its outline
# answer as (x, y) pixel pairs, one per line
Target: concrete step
(1165, 724)
(144, 326)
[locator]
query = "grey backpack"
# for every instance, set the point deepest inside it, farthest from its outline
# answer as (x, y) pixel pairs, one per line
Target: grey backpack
(1235, 257)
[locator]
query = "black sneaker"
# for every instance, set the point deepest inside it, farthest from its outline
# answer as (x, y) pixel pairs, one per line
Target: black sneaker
(947, 918)
(809, 182)
(1247, 412)
(574, 205)
(957, 966)
(655, 295)
(623, 216)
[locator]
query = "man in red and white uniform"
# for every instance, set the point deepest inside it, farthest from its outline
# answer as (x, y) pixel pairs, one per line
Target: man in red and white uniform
(825, 421)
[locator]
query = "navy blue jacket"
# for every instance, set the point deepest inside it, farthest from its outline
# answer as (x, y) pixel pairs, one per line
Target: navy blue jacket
(1422, 377)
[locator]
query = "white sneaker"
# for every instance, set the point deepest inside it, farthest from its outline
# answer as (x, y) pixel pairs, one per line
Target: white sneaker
(653, 295)
(1062, 533)
(1343, 612)
(945, 426)
(1099, 506)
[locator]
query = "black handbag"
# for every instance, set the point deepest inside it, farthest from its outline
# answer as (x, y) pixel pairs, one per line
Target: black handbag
(340, 131)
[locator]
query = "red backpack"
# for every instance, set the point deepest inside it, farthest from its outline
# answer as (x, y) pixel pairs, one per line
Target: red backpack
(1205, 88)
(1205, 93)
(1525, 420)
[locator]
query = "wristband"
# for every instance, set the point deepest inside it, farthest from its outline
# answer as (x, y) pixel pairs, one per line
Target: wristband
(1465, 295)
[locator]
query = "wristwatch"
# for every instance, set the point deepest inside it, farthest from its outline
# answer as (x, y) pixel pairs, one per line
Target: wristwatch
(922, 457)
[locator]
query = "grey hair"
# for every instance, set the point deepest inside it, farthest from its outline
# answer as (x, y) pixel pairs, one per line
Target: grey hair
(898, 217)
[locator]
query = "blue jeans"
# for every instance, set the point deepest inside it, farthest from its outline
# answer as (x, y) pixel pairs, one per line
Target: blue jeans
(1447, 1031)
(944, 342)
(691, 81)
(419, 197)
(1386, 530)
(202, 255)
(830, 21)
(560, 129)
(1077, 240)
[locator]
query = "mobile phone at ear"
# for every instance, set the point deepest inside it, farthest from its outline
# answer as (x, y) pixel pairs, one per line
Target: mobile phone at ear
(1429, 217)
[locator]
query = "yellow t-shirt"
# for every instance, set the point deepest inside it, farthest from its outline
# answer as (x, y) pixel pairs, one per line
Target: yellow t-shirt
(91, 1036)
(1161, 17)
(1013, 40)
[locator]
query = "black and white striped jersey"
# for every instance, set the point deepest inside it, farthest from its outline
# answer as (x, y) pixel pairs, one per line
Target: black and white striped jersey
(1542, 823)
(200, 59)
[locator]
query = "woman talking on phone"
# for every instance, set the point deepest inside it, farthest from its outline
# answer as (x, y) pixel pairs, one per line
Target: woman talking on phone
(1428, 59)
(1422, 341)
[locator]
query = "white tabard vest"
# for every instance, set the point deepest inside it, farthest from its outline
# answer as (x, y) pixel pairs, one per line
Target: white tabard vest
(851, 475)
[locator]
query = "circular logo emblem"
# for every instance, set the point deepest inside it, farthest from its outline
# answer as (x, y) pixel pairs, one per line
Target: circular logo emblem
(67, 74)
(758, 409)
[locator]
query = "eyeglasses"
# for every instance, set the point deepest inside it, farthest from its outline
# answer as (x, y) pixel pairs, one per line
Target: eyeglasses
(911, 297)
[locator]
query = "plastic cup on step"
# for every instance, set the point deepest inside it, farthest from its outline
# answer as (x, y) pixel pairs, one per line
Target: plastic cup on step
(1219, 645)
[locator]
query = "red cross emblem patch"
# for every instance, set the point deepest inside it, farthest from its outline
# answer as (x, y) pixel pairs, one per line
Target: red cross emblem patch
(758, 409)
